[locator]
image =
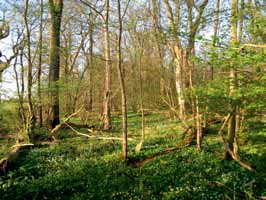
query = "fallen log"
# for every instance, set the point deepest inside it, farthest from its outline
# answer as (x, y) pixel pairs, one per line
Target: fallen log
(5, 162)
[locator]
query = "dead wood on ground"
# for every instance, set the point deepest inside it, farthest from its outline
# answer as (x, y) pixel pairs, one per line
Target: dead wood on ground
(5, 163)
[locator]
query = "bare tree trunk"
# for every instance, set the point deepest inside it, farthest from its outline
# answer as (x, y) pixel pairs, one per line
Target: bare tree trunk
(193, 27)
(142, 107)
(20, 87)
(31, 117)
(215, 30)
(241, 20)
(55, 10)
(139, 145)
(22, 72)
(106, 115)
(199, 128)
(91, 63)
(20, 93)
(178, 53)
(122, 84)
(231, 133)
(158, 41)
(215, 33)
(179, 82)
(39, 72)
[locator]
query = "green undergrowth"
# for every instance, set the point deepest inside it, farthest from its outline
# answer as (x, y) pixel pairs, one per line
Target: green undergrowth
(82, 168)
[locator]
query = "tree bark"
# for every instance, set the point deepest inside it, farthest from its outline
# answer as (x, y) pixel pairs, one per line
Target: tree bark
(90, 102)
(122, 84)
(158, 40)
(106, 114)
(215, 30)
(31, 116)
(55, 10)
(178, 54)
(39, 72)
(231, 132)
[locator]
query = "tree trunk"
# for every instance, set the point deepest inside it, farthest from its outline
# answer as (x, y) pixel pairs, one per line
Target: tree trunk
(90, 101)
(55, 10)
(31, 116)
(139, 146)
(158, 41)
(122, 84)
(39, 72)
(20, 92)
(106, 115)
(215, 30)
(179, 56)
(231, 132)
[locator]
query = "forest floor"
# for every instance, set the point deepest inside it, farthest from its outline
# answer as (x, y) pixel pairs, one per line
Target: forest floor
(76, 167)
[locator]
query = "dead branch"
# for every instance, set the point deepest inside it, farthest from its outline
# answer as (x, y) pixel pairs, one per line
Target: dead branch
(254, 45)
(95, 136)
(222, 127)
(59, 126)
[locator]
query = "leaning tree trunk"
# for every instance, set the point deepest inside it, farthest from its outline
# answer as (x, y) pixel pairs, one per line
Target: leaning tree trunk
(55, 10)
